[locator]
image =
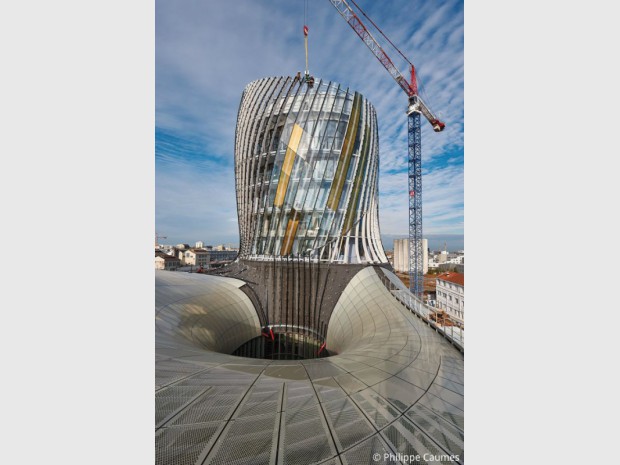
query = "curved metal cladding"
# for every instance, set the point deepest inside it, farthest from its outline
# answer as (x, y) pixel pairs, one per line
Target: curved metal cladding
(393, 388)
(306, 170)
(210, 311)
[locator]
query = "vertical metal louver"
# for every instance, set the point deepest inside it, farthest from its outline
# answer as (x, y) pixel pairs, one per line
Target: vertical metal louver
(306, 170)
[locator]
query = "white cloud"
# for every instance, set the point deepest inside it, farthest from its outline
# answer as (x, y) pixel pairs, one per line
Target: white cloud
(207, 52)
(190, 205)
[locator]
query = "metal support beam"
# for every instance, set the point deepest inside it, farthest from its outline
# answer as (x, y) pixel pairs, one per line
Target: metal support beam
(416, 277)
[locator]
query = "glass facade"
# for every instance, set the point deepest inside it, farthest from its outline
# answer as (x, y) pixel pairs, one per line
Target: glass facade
(306, 169)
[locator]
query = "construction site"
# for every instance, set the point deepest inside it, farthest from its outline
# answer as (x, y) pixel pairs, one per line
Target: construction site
(308, 348)
(429, 283)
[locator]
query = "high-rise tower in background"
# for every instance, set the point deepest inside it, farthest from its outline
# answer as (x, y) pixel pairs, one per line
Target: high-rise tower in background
(306, 169)
(401, 255)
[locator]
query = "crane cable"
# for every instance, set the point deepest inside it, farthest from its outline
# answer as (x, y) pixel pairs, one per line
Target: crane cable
(381, 32)
(421, 86)
(307, 73)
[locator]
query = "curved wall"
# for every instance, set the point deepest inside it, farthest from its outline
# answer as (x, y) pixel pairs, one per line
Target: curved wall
(395, 386)
(306, 170)
(209, 312)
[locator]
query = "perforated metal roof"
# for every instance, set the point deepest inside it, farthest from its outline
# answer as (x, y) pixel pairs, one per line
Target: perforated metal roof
(395, 387)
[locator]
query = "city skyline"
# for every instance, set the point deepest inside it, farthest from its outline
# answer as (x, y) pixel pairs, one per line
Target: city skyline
(207, 53)
(436, 242)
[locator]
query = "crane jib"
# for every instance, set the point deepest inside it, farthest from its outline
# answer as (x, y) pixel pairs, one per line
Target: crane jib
(410, 88)
(415, 108)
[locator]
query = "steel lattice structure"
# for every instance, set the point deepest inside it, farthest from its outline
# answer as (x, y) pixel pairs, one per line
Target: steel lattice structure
(416, 107)
(416, 277)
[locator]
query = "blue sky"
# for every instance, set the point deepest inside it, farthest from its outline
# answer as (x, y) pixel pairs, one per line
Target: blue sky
(208, 51)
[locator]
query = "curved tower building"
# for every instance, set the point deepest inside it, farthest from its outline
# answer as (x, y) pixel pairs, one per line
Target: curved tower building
(306, 168)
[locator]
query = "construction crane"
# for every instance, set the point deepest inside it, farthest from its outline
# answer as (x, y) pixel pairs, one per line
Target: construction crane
(157, 238)
(415, 107)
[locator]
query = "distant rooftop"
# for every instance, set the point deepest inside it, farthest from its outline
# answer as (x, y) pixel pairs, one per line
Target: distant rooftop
(453, 277)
